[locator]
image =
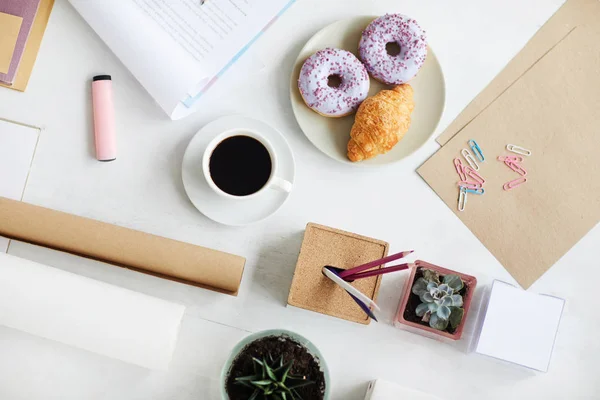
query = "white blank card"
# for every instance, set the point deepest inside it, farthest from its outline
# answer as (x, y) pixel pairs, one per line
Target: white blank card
(17, 145)
(520, 327)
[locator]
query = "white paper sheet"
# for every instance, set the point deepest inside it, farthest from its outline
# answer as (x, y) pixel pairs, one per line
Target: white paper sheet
(17, 146)
(88, 314)
(520, 326)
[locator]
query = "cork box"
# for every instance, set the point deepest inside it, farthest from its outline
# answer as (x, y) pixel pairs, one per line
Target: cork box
(323, 246)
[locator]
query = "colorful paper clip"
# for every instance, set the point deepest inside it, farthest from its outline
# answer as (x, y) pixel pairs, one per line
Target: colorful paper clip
(476, 191)
(518, 150)
(462, 199)
(476, 150)
(474, 174)
(514, 183)
(469, 185)
(460, 169)
(510, 158)
(469, 159)
(515, 166)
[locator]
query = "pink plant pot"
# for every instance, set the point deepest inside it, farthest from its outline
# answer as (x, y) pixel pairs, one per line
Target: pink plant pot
(469, 281)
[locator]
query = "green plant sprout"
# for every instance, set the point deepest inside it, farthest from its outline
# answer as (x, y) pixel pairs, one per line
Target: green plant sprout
(273, 381)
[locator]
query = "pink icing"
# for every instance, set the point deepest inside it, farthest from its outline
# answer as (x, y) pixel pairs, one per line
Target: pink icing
(393, 70)
(333, 101)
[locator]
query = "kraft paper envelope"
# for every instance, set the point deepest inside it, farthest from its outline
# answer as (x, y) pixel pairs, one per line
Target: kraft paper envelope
(553, 111)
(32, 47)
(573, 13)
(10, 25)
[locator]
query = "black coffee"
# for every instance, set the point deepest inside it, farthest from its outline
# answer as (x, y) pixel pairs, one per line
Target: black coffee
(240, 165)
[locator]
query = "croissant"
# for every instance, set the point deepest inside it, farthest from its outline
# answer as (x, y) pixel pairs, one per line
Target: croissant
(381, 122)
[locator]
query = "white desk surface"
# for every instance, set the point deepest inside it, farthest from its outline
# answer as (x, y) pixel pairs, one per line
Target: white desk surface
(143, 190)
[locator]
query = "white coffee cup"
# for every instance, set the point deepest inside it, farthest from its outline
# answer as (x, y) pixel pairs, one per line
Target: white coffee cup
(274, 181)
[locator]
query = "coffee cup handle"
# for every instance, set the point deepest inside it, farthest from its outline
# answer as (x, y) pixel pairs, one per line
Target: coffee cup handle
(281, 184)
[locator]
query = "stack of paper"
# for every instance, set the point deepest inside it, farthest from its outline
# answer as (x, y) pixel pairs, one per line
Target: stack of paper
(22, 26)
(545, 100)
(520, 327)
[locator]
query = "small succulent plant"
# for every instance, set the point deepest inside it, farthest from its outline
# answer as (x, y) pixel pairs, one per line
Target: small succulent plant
(441, 304)
(272, 380)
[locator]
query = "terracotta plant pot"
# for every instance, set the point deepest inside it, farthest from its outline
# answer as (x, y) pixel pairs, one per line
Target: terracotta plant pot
(470, 283)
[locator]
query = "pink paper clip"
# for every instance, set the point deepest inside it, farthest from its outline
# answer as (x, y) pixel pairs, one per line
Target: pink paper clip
(510, 158)
(460, 169)
(475, 175)
(469, 185)
(515, 166)
(514, 183)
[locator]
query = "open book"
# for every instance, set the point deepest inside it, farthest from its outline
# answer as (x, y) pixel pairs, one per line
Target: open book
(177, 48)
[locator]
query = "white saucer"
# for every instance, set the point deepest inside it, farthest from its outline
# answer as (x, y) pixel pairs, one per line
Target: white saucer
(331, 135)
(230, 211)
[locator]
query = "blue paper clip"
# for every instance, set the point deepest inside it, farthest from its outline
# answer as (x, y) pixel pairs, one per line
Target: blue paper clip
(475, 191)
(476, 150)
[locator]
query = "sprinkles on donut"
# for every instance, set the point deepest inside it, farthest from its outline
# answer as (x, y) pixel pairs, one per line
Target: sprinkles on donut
(399, 30)
(333, 82)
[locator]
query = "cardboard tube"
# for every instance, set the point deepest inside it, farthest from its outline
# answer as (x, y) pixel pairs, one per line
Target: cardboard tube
(125, 247)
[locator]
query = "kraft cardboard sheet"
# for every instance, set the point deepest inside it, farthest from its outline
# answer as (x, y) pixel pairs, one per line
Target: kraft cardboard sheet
(573, 13)
(552, 109)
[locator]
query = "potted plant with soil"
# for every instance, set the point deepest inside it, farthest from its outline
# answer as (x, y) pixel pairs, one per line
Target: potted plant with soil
(436, 300)
(275, 365)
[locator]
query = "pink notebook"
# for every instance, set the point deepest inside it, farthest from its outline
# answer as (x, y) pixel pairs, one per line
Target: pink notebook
(25, 9)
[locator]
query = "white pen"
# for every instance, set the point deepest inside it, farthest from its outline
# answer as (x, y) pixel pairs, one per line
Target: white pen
(351, 289)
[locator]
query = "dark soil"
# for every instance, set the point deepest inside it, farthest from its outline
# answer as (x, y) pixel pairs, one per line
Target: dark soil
(414, 300)
(304, 365)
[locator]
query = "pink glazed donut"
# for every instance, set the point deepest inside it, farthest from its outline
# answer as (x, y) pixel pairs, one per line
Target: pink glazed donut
(333, 82)
(399, 29)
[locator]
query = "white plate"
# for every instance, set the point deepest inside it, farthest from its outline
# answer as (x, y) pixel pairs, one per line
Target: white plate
(231, 211)
(331, 135)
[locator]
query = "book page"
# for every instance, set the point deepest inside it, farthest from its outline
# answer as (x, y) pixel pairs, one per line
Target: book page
(214, 32)
(17, 146)
(164, 68)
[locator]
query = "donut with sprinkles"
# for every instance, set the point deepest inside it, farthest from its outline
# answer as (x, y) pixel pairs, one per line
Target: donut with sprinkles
(333, 82)
(395, 30)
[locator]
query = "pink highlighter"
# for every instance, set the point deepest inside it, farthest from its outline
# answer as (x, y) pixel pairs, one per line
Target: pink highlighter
(104, 118)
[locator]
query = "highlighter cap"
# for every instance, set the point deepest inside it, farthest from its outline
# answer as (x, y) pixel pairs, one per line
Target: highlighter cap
(102, 78)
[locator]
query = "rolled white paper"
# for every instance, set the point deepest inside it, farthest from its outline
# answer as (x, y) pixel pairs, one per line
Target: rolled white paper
(88, 314)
